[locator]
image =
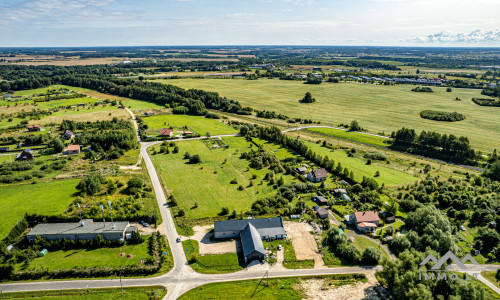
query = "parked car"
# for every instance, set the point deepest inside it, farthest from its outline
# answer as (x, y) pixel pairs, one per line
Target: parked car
(279, 247)
(178, 239)
(462, 228)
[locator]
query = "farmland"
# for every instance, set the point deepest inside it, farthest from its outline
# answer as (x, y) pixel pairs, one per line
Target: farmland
(377, 108)
(200, 125)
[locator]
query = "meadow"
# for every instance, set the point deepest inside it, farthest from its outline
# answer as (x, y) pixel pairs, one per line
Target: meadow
(352, 136)
(362, 243)
(47, 198)
(208, 183)
(377, 108)
(200, 125)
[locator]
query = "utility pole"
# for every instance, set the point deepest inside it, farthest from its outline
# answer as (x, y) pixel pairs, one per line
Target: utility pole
(121, 285)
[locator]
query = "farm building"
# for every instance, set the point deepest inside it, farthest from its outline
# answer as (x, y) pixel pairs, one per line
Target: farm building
(166, 132)
(86, 230)
(27, 154)
(4, 149)
(366, 221)
(317, 175)
(251, 232)
(34, 127)
(72, 149)
(67, 135)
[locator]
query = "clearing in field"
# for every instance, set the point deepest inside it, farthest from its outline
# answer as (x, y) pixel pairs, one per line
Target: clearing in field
(377, 108)
(352, 136)
(207, 184)
(200, 125)
(47, 198)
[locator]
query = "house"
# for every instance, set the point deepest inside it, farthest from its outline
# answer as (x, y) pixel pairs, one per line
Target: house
(366, 221)
(251, 233)
(72, 149)
(4, 149)
(67, 135)
(34, 127)
(85, 230)
(301, 170)
(322, 212)
(317, 175)
(27, 154)
(166, 132)
(321, 200)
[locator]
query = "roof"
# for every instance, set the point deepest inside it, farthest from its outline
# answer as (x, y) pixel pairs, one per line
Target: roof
(75, 228)
(322, 211)
(166, 131)
(27, 151)
(251, 241)
(265, 226)
(391, 218)
(73, 147)
(366, 216)
(322, 199)
(366, 224)
(188, 132)
(68, 132)
(345, 197)
(341, 191)
(4, 148)
(319, 173)
(302, 169)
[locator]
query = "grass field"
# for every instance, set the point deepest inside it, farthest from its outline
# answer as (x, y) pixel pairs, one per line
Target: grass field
(47, 198)
(210, 264)
(490, 275)
(377, 108)
(139, 293)
(352, 136)
(100, 257)
(200, 125)
(363, 243)
(279, 288)
(208, 183)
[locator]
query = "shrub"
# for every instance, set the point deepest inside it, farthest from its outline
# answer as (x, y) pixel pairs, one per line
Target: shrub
(375, 155)
(307, 98)
(442, 116)
(224, 211)
(354, 126)
(195, 159)
(371, 256)
(424, 89)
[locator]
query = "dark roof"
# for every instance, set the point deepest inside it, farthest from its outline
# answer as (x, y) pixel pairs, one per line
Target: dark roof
(251, 241)
(322, 211)
(4, 148)
(76, 228)
(319, 173)
(322, 199)
(265, 226)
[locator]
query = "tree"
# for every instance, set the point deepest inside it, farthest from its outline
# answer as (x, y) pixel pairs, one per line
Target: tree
(208, 134)
(91, 185)
(493, 171)
(224, 211)
(448, 89)
(354, 126)
(195, 159)
(187, 155)
(58, 145)
(307, 98)
(181, 213)
(134, 185)
(371, 256)
(136, 238)
(377, 174)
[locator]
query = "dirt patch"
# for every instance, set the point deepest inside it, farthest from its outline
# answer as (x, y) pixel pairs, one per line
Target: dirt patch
(144, 230)
(303, 242)
(320, 289)
(206, 243)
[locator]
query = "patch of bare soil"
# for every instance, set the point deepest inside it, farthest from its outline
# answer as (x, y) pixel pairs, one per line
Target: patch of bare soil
(319, 289)
(303, 242)
(206, 243)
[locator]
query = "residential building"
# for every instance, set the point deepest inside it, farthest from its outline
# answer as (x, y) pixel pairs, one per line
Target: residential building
(67, 135)
(317, 175)
(72, 149)
(34, 127)
(166, 132)
(27, 154)
(321, 200)
(366, 221)
(321, 212)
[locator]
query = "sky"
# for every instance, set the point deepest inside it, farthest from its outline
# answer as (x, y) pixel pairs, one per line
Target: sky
(79, 23)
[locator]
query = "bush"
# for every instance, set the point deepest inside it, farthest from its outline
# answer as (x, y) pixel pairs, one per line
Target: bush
(91, 185)
(354, 126)
(224, 211)
(424, 89)
(371, 256)
(194, 159)
(307, 98)
(442, 116)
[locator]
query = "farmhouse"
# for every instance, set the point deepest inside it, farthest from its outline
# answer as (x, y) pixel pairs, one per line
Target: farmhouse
(251, 232)
(67, 135)
(72, 149)
(85, 230)
(317, 175)
(27, 154)
(35, 127)
(166, 132)
(366, 221)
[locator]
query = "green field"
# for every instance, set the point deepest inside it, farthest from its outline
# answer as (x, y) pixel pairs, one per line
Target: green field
(144, 293)
(47, 198)
(363, 243)
(377, 108)
(352, 136)
(490, 275)
(200, 125)
(100, 257)
(210, 264)
(208, 183)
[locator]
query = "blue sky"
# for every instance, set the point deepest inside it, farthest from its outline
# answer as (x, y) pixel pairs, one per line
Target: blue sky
(252, 22)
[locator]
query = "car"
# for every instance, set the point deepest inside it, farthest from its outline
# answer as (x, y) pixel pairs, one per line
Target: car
(178, 239)
(279, 247)
(145, 224)
(462, 228)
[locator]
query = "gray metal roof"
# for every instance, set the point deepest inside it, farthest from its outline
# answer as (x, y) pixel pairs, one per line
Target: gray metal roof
(265, 226)
(76, 228)
(251, 241)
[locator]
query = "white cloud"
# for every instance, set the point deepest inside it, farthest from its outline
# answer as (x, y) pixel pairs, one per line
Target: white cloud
(475, 36)
(240, 15)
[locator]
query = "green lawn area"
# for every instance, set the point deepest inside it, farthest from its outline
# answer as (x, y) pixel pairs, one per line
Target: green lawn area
(359, 167)
(377, 108)
(208, 183)
(100, 257)
(65, 102)
(48, 198)
(290, 260)
(352, 136)
(200, 125)
(145, 293)
(490, 275)
(211, 264)
(257, 289)
(395, 225)
(363, 243)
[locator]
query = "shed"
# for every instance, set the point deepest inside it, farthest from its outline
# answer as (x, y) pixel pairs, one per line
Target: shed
(345, 197)
(321, 200)
(322, 212)
(43, 252)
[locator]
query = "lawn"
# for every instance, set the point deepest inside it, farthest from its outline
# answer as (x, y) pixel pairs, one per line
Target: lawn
(363, 243)
(200, 125)
(145, 293)
(377, 108)
(211, 264)
(352, 136)
(208, 183)
(278, 288)
(47, 198)
(490, 275)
